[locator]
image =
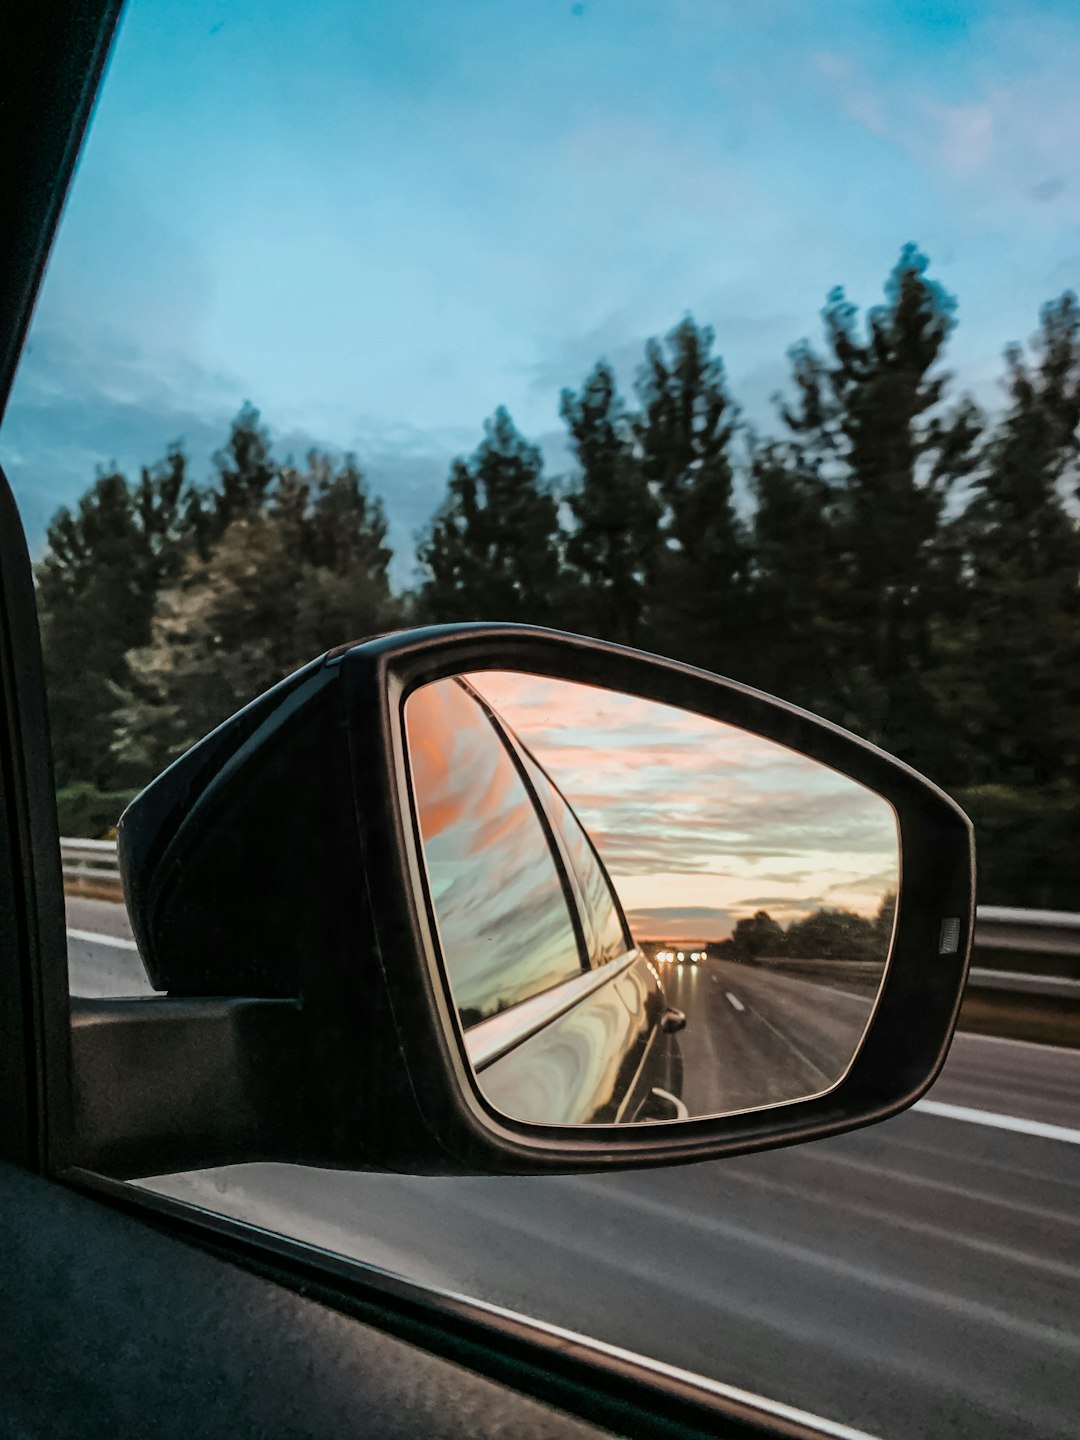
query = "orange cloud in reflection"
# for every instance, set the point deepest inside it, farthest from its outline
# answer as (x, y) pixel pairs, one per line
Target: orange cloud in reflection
(438, 722)
(700, 823)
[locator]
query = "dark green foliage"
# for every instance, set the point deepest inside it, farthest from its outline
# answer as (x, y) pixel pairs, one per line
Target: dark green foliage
(685, 429)
(1012, 683)
(88, 813)
(97, 588)
(759, 935)
(285, 580)
(1028, 843)
(874, 436)
(165, 605)
(493, 551)
(891, 558)
(835, 935)
(241, 487)
(797, 582)
(613, 546)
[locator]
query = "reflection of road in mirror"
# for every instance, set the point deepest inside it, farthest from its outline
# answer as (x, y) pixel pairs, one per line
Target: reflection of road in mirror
(771, 878)
(756, 1035)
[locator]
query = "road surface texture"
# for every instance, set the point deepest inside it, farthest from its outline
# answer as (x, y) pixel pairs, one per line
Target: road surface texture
(756, 1037)
(920, 1278)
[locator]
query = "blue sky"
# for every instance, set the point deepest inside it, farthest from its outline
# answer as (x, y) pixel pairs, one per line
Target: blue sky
(377, 221)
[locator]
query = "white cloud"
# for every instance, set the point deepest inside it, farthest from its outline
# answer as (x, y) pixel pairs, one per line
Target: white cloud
(966, 134)
(1003, 127)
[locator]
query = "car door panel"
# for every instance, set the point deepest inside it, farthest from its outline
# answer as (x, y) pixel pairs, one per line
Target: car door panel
(109, 1327)
(595, 1063)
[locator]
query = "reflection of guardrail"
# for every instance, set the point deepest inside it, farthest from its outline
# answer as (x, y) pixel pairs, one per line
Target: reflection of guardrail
(1025, 952)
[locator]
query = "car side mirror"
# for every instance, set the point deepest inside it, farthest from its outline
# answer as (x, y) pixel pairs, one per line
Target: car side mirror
(499, 899)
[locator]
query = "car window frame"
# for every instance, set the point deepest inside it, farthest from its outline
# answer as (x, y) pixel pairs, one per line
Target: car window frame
(60, 55)
(577, 1374)
(564, 872)
(627, 934)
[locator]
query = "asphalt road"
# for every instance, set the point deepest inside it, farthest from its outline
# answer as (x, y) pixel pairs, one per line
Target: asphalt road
(919, 1278)
(102, 958)
(756, 1037)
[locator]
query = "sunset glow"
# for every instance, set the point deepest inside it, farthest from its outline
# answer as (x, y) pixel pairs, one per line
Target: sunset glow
(701, 824)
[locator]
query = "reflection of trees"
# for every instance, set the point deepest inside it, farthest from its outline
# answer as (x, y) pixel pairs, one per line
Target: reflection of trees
(827, 934)
(760, 935)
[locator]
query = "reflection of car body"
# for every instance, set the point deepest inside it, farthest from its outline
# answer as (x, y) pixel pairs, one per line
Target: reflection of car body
(565, 1018)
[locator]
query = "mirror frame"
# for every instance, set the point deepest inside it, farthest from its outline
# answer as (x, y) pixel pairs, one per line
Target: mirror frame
(440, 975)
(907, 1039)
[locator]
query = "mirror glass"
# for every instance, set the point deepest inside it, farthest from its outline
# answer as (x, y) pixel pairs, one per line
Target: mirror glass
(643, 914)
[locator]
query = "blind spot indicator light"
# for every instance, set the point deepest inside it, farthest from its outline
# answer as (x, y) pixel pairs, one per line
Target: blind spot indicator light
(950, 936)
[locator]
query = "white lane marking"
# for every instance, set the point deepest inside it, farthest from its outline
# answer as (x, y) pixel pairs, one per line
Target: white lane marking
(815, 1196)
(734, 1000)
(863, 1000)
(825, 1079)
(95, 937)
(681, 1112)
(999, 1122)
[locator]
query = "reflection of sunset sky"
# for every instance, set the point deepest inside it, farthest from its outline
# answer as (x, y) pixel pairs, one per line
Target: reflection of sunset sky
(505, 930)
(700, 823)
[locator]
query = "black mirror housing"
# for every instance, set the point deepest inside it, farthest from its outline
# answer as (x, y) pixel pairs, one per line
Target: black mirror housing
(278, 863)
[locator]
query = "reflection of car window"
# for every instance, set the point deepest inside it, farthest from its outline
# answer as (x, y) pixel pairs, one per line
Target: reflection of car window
(503, 916)
(607, 939)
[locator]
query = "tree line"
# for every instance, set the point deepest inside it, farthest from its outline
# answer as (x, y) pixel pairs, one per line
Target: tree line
(889, 554)
(824, 934)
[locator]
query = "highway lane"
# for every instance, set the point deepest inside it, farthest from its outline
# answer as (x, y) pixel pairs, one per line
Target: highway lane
(919, 1278)
(102, 957)
(756, 1037)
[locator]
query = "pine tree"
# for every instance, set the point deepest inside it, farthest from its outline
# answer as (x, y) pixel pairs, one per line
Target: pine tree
(346, 526)
(874, 420)
(97, 586)
(304, 573)
(493, 551)
(613, 543)
(1015, 671)
(242, 485)
(685, 432)
(797, 649)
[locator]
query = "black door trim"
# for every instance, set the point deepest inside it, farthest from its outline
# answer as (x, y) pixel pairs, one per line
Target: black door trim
(629, 1393)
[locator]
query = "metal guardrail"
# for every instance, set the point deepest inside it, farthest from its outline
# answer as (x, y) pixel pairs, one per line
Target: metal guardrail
(1050, 939)
(1046, 933)
(1034, 932)
(89, 860)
